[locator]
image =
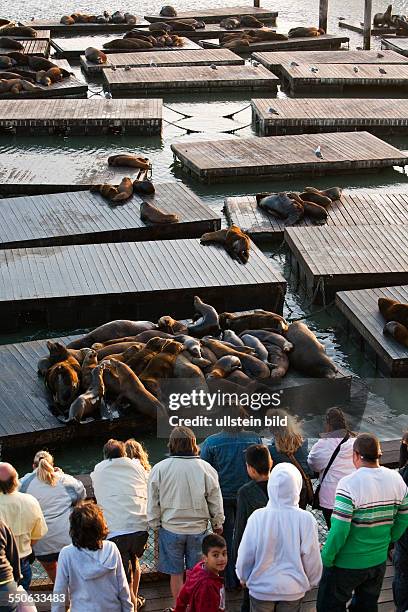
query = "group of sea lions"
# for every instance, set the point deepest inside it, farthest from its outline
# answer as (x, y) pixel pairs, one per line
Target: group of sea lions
(117, 17)
(387, 19)
(239, 41)
(396, 316)
(135, 40)
(129, 362)
(9, 28)
(20, 72)
(292, 207)
(160, 28)
(233, 239)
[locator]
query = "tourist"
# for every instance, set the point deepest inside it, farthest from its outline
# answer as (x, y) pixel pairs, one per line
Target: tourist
(204, 589)
(288, 445)
(184, 495)
(370, 511)
(400, 558)
(136, 451)
(225, 451)
(9, 568)
(56, 493)
(120, 488)
(332, 457)
(279, 557)
(90, 574)
(23, 515)
(252, 496)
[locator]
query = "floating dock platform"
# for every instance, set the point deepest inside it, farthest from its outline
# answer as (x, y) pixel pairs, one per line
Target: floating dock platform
(32, 46)
(211, 30)
(77, 29)
(91, 116)
(358, 26)
(327, 41)
(188, 79)
(84, 285)
(333, 259)
(361, 311)
(216, 15)
(337, 77)
(279, 157)
(181, 57)
(399, 44)
(355, 208)
(73, 48)
(82, 217)
(279, 116)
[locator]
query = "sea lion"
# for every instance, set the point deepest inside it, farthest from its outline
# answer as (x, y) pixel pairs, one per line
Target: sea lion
(231, 337)
(305, 32)
(123, 383)
(130, 160)
(17, 86)
(225, 366)
(107, 191)
(11, 43)
(127, 43)
(58, 352)
(6, 62)
(171, 326)
(315, 197)
(138, 359)
(282, 206)
(392, 310)
(236, 45)
(62, 379)
(67, 20)
(278, 361)
(168, 11)
(101, 19)
(160, 27)
(259, 319)
(334, 193)
(89, 363)
(153, 333)
(192, 345)
(207, 321)
(116, 349)
(95, 56)
(230, 23)
(384, 19)
(42, 79)
(398, 331)
(161, 366)
(20, 58)
(250, 21)
(130, 19)
(118, 17)
(246, 350)
(312, 210)
(270, 337)
(22, 31)
(234, 240)
(113, 329)
(308, 356)
(152, 214)
(86, 404)
(125, 190)
(136, 34)
(12, 76)
(264, 35)
(144, 187)
(251, 365)
(253, 342)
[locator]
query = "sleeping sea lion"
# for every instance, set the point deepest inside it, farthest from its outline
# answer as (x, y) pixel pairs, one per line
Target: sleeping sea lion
(138, 359)
(130, 160)
(230, 336)
(264, 35)
(253, 342)
(207, 321)
(130, 19)
(17, 86)
(160, 28)
(20, 58)
(161, 366)
(127, 43)
(11, 43)
(89, 402)
(259, 319)
(22, 31)
(305, 32)
(250, 21)
(270, 337)
(152, 214)
(113, 329)
(42, 79)
(251, 365)
(234, 240)
(168, 11)
(89, 363)
(6, 62)
(125, 191)
(116, 349)
(246, 350)
(95, 56)
(225, 366)
(308, 356)
(392, 310)
(12, 75)
(144, 187)
(118, 17)
(67, 20)
(316, 198)
(149, 334)
(230, 23)
(171, 326)
(282, 206)
(398, 331)
(278, 361)
(58, 352)
(192, 345)
(236, 45)
(312, 210)
(334, 193)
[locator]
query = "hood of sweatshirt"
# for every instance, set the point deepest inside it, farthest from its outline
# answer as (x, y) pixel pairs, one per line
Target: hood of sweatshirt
(198, 574)
(95, 563)
(284, 486)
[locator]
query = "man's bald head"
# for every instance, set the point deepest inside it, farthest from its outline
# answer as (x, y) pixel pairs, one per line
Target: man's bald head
(8, 478)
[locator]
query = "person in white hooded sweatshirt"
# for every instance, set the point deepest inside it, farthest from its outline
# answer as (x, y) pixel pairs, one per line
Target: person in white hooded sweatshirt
(279, 555)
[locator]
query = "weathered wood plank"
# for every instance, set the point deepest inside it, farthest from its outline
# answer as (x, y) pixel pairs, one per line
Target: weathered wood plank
(32, 46)
(70, 87)
(215, 15)
(398, 44)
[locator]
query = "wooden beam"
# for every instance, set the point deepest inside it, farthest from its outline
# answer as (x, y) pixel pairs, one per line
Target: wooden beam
(257, 3)
(323, 10)
(368, 5)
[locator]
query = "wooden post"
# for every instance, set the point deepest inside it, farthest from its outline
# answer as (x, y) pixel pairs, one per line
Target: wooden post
(323, 9)
(257, 3)
(368, 5)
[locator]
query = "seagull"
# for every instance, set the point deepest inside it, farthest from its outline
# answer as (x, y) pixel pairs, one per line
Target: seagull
(359, 48)
(152, 63)
(255, 63)
(213, 66)
(127, 68)
(382, 71)
(273, 111)
(108, 95)
(314, 70)
(318, 153)
(355, 69)
(113, 68)
(294, 64)
(380, 55)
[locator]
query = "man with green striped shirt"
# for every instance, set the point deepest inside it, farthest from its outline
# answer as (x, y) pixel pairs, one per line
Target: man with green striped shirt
(370, 512)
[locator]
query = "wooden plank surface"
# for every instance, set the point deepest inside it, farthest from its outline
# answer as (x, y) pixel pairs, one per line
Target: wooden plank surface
(32, 46)
(397, 44)
(360, 307)
(181, 57)
(92, 115)
(75, 47)
(82, 217)
(215, 15)
(300, 115)
(327, 41)
(353, 257)
(282, 156)
(68, 87)
(354, 208)
(188, 78)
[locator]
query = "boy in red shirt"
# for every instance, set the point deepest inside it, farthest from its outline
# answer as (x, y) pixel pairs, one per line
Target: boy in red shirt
(204, 589)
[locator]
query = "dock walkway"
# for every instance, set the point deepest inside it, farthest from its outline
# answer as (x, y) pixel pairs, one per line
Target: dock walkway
(285, 156)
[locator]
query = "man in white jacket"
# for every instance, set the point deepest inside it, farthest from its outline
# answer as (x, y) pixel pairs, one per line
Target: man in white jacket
(279, 555)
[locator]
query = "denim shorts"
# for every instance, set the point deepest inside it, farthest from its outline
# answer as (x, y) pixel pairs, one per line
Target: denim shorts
(178, 551)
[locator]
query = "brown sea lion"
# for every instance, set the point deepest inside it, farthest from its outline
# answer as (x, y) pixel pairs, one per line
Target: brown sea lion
(206, 320)
(308, 356)
(270, 337)
(278, 361)
(6, 62)
(42, 79)
(384, 19)
(153, 333)
(138, 360)
(259, 319)
(392, 310)
(135, 34)
(250, 21)
(236, 45)
(230, 23)
(22, 31)
(12, 75)
(152, 214)
(144, 187)
(251, 365)
(67, 20)
(316, 198)
(107, 191)
(41, 63)
(282, 206)
(265, 34)
(171, 326)
(116, 349)
(253, 342)
(334, 193)
(58, 352)
(125, 191)
(20, 58)
(231, 337)
(127, 43)
(161, 366)
(95, 56)
(130, 160)
(301, 32)
(89, 363)
(208, 354)
(130, 19)
(398, 331)
(310, 209)
(113, 329)
(62, 379)
(234, 240)
(118, 17)
(11, 43)
(89, 402)
(160, 28)
(168, 11)
(225, 366)
(17, 86)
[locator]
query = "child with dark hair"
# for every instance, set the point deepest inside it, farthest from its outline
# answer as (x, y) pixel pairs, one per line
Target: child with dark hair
(204, 589)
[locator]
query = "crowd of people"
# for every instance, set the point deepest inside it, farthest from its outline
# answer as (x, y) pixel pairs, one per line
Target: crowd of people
(231, 515)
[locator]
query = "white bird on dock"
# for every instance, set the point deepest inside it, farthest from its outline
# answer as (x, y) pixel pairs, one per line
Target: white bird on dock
(318, 153)
(355, 69)
(113, 68)
(382, 70)
(273, 111)
(314, 70)
(255, 63)
(213, 66)
(294, 64)
(108, 95)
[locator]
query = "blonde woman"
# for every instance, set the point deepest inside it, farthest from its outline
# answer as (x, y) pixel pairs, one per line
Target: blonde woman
(56, 493)
(135, 450)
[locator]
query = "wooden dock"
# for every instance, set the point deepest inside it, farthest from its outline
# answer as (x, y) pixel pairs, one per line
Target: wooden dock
(399, 44)
(279, 157)
(32, 174)
(73, 48)
(274, 60)
(311, 115)
(188, 79)
(333, 259)
(91, 116)
(355, 208)
(337, 77)
(84, 285)
(77, 29)
(81, 217)
(32, 46)
(182, 57)
(361, 311)
(327, 41)
(216, 15)
(358, 26)
(41, 35)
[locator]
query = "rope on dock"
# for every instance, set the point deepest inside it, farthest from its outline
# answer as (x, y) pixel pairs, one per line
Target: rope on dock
(230, 116)
(178, 112)
(235, 129)
(181, 127)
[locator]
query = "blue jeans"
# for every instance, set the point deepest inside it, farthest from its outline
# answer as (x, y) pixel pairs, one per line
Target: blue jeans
(27, 573)
(338, 584)
(400, 589)
(230, 511)
(5, 589)
(178, 551)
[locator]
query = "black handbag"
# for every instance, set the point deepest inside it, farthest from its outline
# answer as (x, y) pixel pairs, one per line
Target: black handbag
(316, 501)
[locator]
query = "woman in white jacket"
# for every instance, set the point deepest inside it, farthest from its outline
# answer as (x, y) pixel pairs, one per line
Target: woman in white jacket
(279, 555)
(337, 435)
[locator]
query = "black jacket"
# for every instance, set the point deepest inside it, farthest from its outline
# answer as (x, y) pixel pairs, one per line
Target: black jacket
(9, 559)
(250, 497)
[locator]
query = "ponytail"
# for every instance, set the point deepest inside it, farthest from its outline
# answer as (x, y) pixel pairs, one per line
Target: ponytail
(134, 450)
(44, 463)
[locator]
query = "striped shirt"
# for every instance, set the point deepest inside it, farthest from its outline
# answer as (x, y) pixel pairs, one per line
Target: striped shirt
(370, 511)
